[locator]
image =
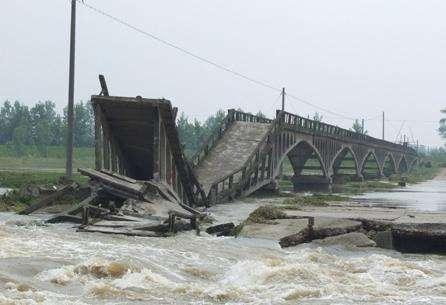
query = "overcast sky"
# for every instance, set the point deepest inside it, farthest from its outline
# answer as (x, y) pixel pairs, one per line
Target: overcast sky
(354, 57)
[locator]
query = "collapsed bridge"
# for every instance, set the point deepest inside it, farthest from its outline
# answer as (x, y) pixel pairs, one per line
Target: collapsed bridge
(137, 137)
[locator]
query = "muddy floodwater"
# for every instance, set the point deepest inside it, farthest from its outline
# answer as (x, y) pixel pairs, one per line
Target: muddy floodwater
(425, 196)
(55, 265)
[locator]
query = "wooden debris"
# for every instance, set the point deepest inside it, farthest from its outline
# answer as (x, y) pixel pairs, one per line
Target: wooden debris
(48, 200)
(124, 231)
(121, 205)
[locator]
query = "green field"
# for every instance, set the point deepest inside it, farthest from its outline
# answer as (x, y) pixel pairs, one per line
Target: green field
(54, 161)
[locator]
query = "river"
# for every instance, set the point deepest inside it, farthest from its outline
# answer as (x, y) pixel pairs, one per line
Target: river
(55, 265)
(425, 196)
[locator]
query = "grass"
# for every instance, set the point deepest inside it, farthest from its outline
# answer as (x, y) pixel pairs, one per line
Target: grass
(418, 174)
(55, 159)
(265, 214)
(298, 202)
(358, 187)
(32, 168)
(17, 179)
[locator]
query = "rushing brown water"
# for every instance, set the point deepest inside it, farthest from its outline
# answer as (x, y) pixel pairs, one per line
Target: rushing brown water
(55, 265)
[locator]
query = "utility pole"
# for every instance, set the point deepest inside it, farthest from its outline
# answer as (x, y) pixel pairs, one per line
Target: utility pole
(362, 127)
(70, 112)
(283, 109)
(283, 99)
(384, 123)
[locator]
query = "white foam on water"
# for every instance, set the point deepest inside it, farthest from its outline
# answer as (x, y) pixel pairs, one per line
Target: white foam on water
(188, 269)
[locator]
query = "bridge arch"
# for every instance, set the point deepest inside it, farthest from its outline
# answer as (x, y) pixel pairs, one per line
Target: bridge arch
(309, 170)
(389, 166)
(341, 156)
(403, 165)
(299, 153)
(370, 157)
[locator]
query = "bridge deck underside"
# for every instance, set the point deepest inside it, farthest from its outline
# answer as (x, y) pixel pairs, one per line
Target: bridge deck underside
(231, 152)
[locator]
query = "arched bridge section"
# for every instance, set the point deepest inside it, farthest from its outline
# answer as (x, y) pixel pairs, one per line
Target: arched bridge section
(246, 153)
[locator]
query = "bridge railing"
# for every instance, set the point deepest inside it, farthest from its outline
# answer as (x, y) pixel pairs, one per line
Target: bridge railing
(323, 129)
(232, 116)
(240, 179)
(248, 117)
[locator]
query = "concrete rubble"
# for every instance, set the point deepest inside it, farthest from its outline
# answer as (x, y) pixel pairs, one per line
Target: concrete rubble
(396, 228)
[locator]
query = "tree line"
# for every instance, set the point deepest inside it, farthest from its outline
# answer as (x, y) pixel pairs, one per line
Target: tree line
(42, 126)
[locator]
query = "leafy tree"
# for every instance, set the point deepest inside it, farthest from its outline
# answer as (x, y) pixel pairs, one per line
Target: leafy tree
(19, 139)
(5, 122)
(43, 116)
(43, 126)
(357, 127)
(83, 125)
(442, 128)
(193, 134)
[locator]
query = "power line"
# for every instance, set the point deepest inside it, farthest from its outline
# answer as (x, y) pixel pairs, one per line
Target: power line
(227, 69)
(205, 60)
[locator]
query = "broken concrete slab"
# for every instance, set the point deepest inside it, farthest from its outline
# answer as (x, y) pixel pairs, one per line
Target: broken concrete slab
(323, 227)
(396, 228)
(291, 232)
(274, 229)
(352, 239)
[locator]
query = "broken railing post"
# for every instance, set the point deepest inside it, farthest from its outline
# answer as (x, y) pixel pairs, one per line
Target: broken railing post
(85, 215)
(310, 227)
(171, 223)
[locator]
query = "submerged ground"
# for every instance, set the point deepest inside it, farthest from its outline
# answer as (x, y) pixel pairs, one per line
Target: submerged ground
(55, 265)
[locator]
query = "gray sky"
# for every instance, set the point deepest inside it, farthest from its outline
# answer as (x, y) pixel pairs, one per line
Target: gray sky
(354, 57)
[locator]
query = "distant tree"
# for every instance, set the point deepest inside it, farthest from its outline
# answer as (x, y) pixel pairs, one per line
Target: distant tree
(214, 121)
(442, 128)
(83, 124)
(19, 139)
(43, 116)
(5, 117)
(193, 134)
(260, 114)
(317, 117)
(357, 127)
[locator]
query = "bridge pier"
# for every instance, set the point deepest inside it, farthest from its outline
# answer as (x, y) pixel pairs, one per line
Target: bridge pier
(311, 183)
